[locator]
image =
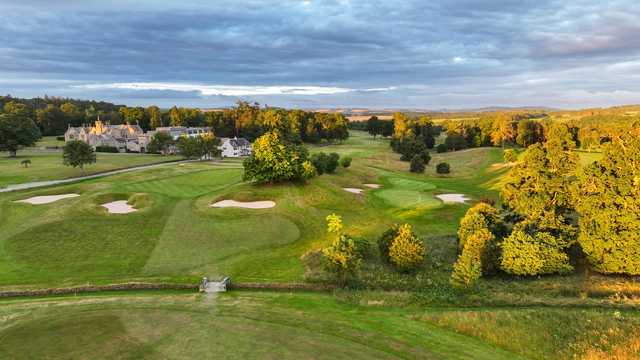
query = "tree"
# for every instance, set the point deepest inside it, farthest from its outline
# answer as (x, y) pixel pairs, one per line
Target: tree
(209, 145)
(160, 143)
(189, 147)
(503, 131)
(342, 255)
(455, 142)
(78, 154)
(319, 161)
(608, 201)
(529, 132)
(275, 160)
(443, 168)
(374, 126)
(345, 162)
(406, 251)
(468, 268)
(442, 148)
(25, 163)
(417, 164)
(17, 131)
(71, 113)
(426, 157)
(154, 115)
(479, 236)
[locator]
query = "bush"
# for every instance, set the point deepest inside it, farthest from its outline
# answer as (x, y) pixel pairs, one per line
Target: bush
(426, 157)
(406, 251)
(443, 168)
(363, 247)
(107, 149)
(325, 163)
(345, 162)
(442, 148)
(542, 253)
(510, 156)
(384, 243)
(332, 163)
(417, 164)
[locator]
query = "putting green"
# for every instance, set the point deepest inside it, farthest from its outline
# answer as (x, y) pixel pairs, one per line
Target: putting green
(408, 184)
(408, 198)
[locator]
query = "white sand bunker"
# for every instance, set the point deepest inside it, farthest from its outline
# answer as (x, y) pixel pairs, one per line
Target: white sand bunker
(119, 207)
(353, 190)
(39, 200)
(373, 186)
(453, 198)
(245, 205)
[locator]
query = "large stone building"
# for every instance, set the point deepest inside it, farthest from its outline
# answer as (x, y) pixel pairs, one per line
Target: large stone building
(133, 139)
(125, 137)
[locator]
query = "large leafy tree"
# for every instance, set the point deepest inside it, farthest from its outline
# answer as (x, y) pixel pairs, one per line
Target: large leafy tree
(160, 142)
(608, 201)
(276, 160)
(78, 154)
(17, 130)
(538, 190)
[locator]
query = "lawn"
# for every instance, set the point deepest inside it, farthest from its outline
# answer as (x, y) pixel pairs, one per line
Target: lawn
(47, 165)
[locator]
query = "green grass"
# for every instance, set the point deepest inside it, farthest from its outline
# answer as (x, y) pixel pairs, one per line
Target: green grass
(239, 325)
(47, 165)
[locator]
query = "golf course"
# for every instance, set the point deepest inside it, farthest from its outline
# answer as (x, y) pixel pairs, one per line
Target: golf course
(174, 235)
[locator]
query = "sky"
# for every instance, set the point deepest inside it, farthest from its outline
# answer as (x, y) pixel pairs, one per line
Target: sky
(436, 54)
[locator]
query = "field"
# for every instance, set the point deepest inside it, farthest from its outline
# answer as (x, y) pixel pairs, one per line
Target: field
(177, 237)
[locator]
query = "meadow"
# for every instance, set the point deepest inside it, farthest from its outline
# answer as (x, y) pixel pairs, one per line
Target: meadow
(177, 237)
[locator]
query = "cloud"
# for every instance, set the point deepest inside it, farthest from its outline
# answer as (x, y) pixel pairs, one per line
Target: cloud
(228, 90)
(407, 53)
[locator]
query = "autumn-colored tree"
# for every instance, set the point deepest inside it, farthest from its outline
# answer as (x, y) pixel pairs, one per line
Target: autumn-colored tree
(524, 253)
(342, 257)
(469, 265)
(276, 160)
(510, 156)
(608, 200)
(406, 251)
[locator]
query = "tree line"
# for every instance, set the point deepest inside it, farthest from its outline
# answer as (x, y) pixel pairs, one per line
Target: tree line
(54, 115)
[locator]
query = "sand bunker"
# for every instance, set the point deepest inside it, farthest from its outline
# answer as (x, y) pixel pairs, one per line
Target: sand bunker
(373, 186)
(353, 190)
(39, 200)
(245, 205)
(453, 198)
(119, 207)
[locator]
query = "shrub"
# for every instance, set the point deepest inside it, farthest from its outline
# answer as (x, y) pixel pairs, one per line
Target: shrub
(510, 156)
(342, 257)
(384, 243)
(426, 157)
(443, 168)
(345, 162)
(442, 148)
(332, 163)
(417, 164)
(542, 253)
(478, 251)
(363, 247)
(406, 251)
(107, 149)
(319, 161)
